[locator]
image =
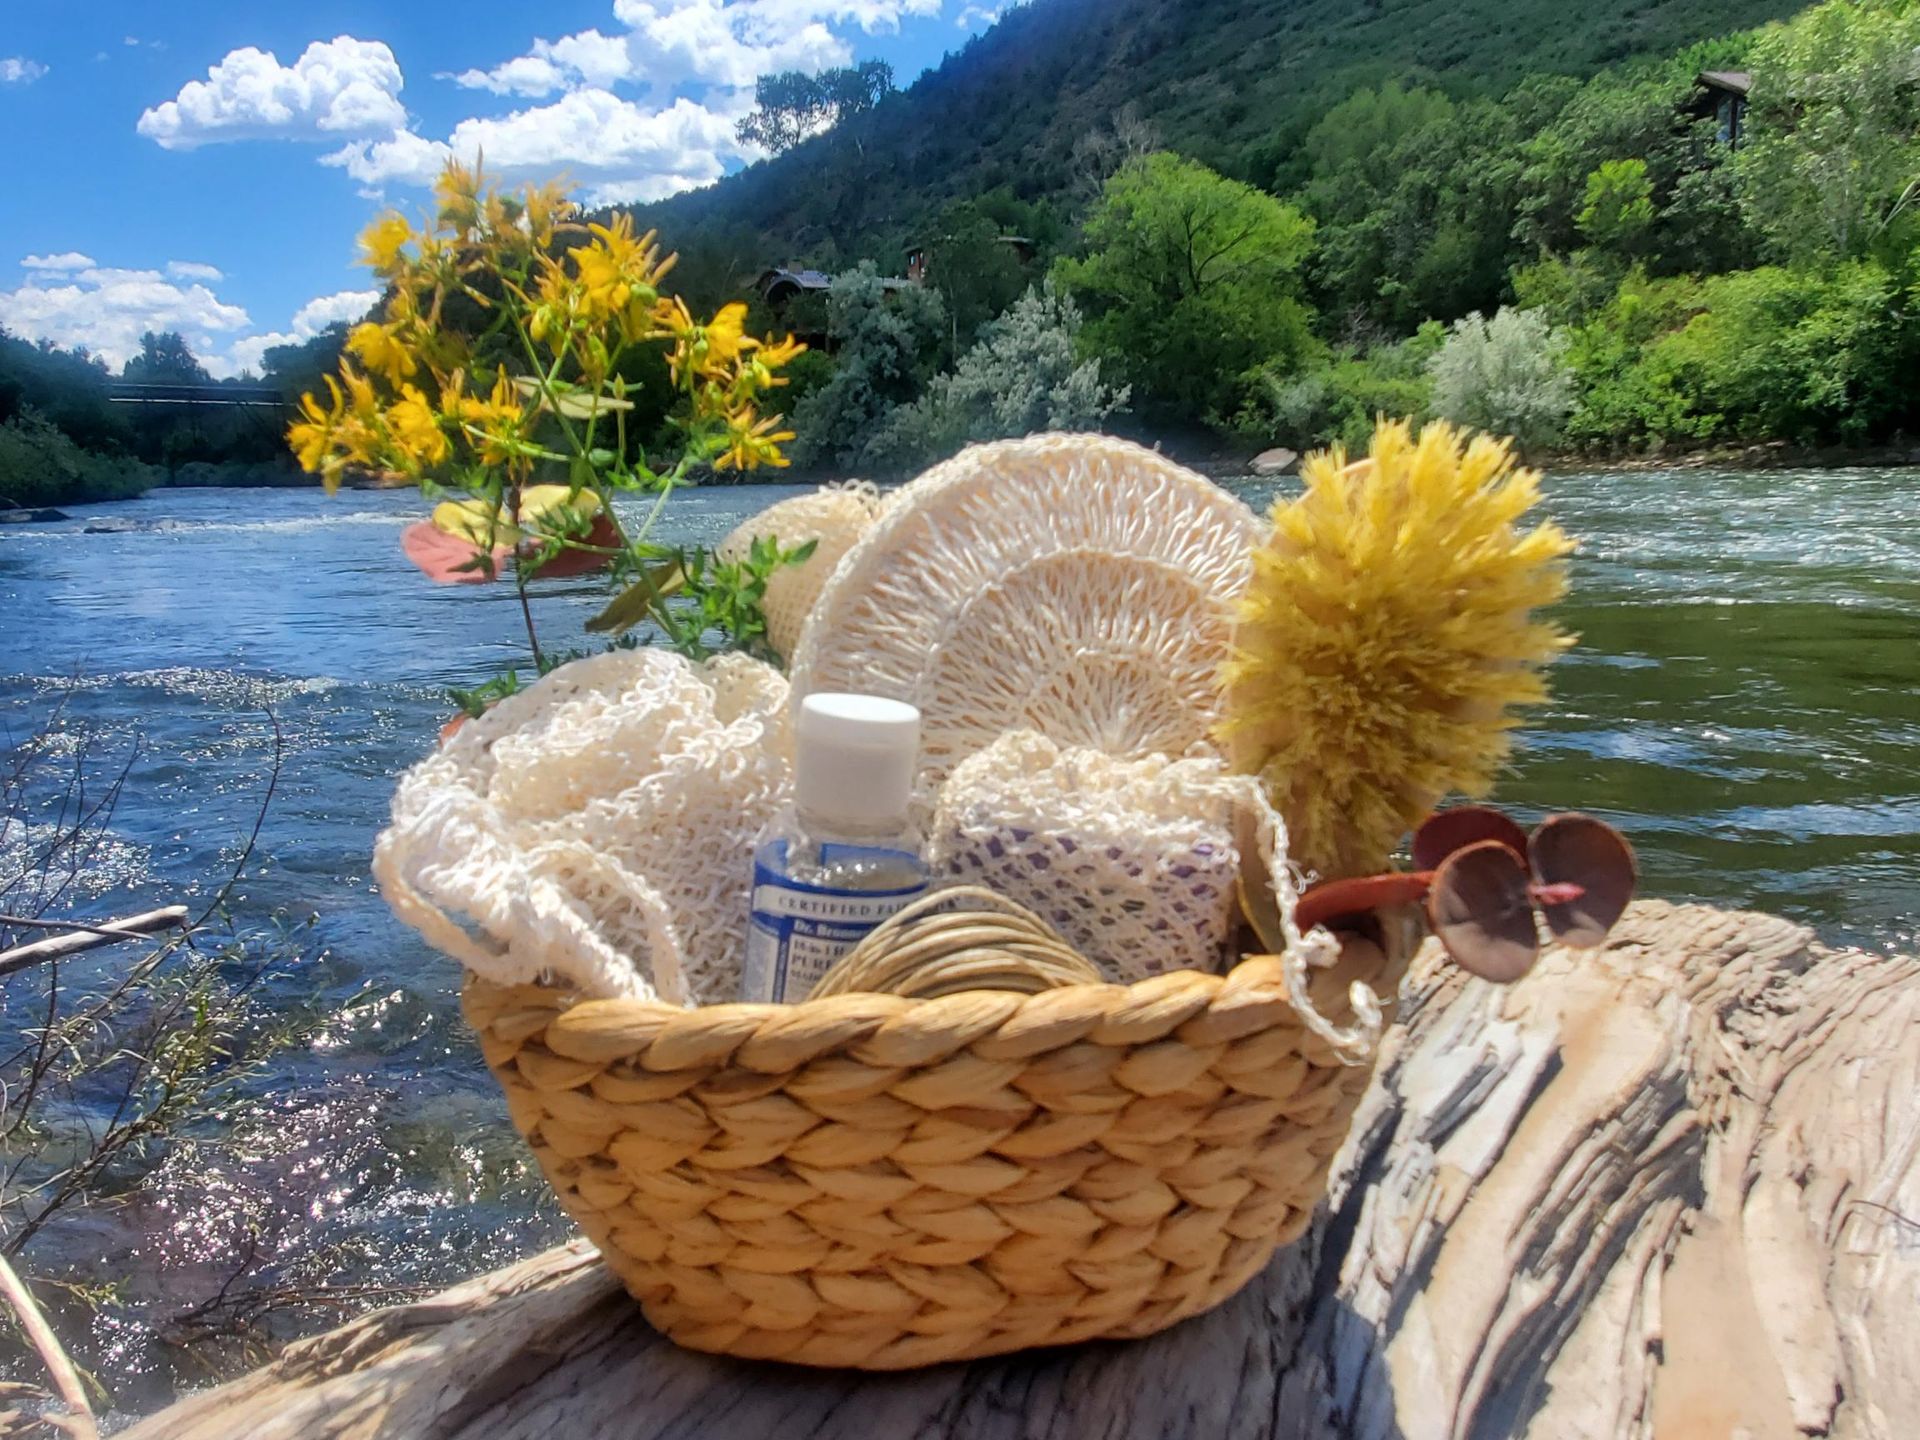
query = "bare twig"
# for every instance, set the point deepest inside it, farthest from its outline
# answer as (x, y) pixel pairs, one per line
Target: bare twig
(85, 937)
(65, 1378)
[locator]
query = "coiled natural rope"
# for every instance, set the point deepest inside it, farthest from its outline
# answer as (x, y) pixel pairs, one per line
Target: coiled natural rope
(962, 938)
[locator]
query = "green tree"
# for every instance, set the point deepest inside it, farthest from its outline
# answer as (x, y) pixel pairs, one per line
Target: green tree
(165, 359)
(1831, 165)
(792, 106)
(1190, 279)
(1023, 376)
(1618, 206)
(302, 366)
(1414, 194)
(976, 273)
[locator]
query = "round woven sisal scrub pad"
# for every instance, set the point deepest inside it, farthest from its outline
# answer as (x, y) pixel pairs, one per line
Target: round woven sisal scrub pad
(597, 826)
(1133, 861)
(1075, 585)
(834, 517)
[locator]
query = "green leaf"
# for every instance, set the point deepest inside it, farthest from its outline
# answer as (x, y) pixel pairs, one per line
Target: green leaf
(633, 604)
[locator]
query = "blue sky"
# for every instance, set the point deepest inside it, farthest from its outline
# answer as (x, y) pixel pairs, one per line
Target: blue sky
(205, 167)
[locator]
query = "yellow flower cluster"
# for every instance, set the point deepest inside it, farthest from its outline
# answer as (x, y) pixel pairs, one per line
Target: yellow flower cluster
(487, 298)
(1386, 637)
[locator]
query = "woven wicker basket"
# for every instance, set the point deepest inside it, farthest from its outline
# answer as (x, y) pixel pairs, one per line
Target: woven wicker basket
(878, 1182)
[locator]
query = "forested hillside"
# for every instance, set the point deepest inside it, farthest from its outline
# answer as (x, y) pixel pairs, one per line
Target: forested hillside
(1605, 230)
(1602, 230)
(1235, 84)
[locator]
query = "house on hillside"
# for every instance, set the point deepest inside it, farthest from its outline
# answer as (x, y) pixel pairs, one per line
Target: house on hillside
(797, 300)
(780, 285)
(1721, 95)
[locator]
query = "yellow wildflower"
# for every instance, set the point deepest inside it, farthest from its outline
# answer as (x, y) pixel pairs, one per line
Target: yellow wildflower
(756, 371)
(604, 289)
(381, 350)
(671, 315)
(726, 336)
(1386, 637)
(710, 350)
(616, 269)
(775, 356)
(416, 429)
(546, 206)
(359, 393)
(336, 435)
(458, 191)
(312, 437)
(382, 242)
(559, 299)
(752, 443)
(495, 422)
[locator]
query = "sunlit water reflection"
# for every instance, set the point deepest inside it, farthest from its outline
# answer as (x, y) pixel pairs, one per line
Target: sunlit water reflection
(1742, 703)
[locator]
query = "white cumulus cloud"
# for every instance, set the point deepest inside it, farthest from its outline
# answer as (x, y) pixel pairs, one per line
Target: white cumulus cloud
(973, 17)
(337, 88)
(635, 114)
(107, 309)
(66, 260)
(73, 302)
(614, 149)
(246, 355)
(656, 139)
(19, 70)
(588, 58)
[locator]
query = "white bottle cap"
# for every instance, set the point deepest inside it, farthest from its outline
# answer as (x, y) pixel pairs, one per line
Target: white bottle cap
(855, 758)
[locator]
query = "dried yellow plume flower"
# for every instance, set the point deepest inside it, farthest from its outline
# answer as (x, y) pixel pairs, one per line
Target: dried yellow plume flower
(1387, 636)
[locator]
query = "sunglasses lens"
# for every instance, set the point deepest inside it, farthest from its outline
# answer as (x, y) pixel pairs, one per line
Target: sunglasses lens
(1592, 857)
(1446, 831)
(1480, 911)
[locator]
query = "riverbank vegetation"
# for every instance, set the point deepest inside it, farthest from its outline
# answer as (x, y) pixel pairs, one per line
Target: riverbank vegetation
(1709, 245)
(126, 1080)
(1611, 236)
(63, 440)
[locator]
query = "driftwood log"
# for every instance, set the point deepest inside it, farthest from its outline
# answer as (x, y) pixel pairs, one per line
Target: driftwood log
(1666, 1189)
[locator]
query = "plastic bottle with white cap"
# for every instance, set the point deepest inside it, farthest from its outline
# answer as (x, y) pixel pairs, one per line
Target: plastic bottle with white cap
(845, 855)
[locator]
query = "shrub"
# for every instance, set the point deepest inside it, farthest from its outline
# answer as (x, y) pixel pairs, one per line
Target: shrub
(1623, 401)
(1507, 375)
(40, 466)
(1338, 402)
(886, 345)
(1020, 377)
(1769, 353)
(1780, 353)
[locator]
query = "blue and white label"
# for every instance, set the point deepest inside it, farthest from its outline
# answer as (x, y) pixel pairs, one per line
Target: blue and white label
(798, 931)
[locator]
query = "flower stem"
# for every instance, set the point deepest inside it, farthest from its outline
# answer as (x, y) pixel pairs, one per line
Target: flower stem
(520, 585)
(526, 611)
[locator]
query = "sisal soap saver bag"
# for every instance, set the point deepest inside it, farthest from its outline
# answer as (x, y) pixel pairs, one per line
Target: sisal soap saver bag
(1133, 861)
(592, 827)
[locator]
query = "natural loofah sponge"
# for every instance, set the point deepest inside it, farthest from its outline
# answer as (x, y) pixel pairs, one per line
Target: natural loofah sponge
(1075, 585)
(833, 516)
(1387, 636)
(1132, 861)
(597, 826)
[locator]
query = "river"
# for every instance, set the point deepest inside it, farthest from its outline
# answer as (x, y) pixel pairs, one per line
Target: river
(1742, 703)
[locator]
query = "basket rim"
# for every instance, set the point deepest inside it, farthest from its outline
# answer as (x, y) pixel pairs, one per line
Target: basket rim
(1192, 1007)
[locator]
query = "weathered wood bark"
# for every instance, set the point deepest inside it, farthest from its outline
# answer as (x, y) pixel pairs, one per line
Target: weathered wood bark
(1666, 1189)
